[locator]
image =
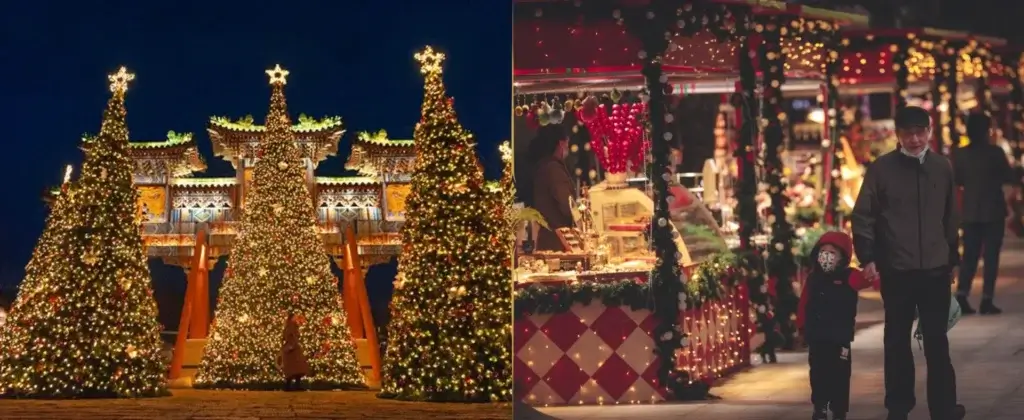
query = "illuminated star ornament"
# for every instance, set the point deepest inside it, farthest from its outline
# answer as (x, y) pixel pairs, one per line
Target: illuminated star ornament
(119, 81)
(278, 75)
(430, 61)
(506, 152)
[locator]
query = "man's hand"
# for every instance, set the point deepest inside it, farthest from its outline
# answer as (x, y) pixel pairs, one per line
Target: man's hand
(870, 273)
(953, 274)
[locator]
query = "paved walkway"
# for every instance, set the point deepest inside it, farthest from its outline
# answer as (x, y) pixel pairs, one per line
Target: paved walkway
(239, 405)
(988, 353)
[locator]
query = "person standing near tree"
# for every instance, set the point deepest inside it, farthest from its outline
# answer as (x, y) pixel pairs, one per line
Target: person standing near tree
(984, 173)
(905, 236)
(293, 360)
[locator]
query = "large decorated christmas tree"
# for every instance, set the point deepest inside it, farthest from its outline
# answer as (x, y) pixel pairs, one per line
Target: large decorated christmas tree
(85, 322)
(450, 338)
(278, 265)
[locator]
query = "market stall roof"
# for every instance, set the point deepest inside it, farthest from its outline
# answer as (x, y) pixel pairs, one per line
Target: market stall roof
(557, 48)
(868, 59)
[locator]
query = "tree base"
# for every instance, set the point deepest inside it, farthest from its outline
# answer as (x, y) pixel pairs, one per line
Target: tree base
(87, 395)
(436, 398)
(279, 386)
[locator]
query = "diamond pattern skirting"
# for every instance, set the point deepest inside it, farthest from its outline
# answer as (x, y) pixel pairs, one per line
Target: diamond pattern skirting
(595, 354)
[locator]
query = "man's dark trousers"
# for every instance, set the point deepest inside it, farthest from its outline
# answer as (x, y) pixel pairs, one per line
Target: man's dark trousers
(927, 291)
(981, 239)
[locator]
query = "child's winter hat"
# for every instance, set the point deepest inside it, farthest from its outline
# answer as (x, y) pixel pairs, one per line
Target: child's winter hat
(839, 240)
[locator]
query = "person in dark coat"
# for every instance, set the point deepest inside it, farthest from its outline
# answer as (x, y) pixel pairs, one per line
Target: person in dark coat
(552, 184)
(983, 172)
(293, 361)
(828, 312)
(905, 233)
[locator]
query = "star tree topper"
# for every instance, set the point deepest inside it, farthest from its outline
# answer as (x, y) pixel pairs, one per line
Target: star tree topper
(119, 81)
(278, 75)
(430, 61)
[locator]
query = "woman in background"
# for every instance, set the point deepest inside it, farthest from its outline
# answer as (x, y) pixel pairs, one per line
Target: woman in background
(552, 183)
(293, 361)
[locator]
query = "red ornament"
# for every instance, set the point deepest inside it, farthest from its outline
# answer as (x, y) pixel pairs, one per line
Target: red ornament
(554, 297)
(617, 136)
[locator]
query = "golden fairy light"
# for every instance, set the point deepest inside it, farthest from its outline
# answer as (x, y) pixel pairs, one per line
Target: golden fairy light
(119, 81)
(77, 329)
(67, 173)
(430, 61)
(278, 266)
(445, 345)
(278, 75)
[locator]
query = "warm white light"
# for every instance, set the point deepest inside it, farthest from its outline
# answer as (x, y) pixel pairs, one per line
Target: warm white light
(816, 115)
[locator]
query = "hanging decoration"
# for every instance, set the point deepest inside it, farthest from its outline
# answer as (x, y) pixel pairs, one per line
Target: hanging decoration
(745, 103)
(616, 134)
(667, 278)
(779, 259)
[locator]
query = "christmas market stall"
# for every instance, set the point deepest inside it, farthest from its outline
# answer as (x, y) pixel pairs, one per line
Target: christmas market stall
(950, 73)
(647, 268)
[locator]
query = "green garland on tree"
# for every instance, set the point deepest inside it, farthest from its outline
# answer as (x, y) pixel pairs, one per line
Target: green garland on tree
(780, 264)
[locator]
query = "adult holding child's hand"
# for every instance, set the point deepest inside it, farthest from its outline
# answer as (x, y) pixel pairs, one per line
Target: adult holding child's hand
(905, 233)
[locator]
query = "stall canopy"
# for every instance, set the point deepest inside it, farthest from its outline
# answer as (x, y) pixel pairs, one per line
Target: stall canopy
(557, 48)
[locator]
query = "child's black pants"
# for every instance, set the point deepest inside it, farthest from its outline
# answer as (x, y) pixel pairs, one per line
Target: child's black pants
(830, 375)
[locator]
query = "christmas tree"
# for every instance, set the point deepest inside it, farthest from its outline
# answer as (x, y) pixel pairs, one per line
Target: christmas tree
(278, 266)
(84, 323)
(451, 333)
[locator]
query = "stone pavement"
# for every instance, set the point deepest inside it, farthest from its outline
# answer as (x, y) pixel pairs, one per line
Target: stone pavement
(988, 353)
(249, 405)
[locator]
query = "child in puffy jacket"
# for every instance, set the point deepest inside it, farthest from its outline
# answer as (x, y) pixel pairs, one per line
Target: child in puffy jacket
(827, 315)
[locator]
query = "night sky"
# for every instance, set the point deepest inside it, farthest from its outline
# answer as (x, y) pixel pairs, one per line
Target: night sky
(194, 60)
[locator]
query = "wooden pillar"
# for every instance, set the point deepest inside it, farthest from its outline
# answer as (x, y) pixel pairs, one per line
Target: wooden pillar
(195, 311)
(354, 277)
(200, 278)
(240, 189)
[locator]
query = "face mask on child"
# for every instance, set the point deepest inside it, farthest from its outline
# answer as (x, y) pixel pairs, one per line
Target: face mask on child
(828, 261)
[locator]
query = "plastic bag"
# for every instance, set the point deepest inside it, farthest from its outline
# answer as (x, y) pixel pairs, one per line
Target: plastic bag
(954, 317)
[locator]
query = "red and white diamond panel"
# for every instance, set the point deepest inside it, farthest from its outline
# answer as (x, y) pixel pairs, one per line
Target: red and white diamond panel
(591, 354)
(594, 354)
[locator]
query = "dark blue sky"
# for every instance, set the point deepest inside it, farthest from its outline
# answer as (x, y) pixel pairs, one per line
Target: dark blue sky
(196, 59)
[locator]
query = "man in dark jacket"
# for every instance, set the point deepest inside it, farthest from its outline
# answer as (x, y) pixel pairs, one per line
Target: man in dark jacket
(905, 234)
(984, 173)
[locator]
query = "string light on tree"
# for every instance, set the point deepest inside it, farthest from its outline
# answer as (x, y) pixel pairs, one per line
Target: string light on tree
(450, 334)
(278, 266)
(84, 323)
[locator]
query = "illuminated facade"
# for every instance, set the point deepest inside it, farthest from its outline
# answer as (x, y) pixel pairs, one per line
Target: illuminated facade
(176, 202)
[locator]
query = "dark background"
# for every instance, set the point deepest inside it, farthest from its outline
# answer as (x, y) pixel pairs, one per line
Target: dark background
(197, 59)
